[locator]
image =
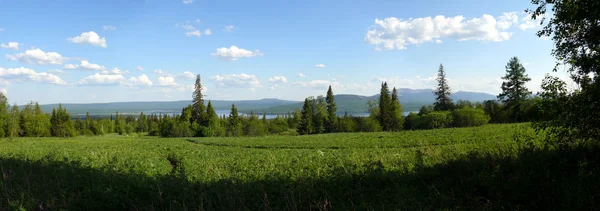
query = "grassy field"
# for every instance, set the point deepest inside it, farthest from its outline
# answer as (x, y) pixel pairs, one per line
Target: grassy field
(490, 167)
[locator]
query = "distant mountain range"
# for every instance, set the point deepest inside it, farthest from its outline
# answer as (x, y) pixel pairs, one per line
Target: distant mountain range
(411, 100)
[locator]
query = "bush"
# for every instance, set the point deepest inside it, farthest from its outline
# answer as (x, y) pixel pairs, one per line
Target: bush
(436, 120)
(412, 122)
(367, 124)
(469, 117)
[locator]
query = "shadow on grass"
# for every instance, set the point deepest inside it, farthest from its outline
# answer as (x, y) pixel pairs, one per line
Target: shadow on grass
(534, 180)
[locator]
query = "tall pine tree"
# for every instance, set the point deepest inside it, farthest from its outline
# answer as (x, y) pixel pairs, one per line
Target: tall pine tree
(443, 102)
(305, 126)
(198, 108)
(385, 110)
(234, 127)
(397, 120)
(331, 125)
(514, 91)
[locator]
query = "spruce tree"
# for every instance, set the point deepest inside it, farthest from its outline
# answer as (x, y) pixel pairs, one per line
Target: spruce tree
(61, 124)
(443, 102)
(214, 128)
(385, 110)
(4, 115)
(234, 127)
(397, 120)
(305, 126)
(331, 125)
(198, 108)
(514, 91)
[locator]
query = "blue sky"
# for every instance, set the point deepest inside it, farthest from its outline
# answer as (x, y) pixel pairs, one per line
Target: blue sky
(111, 51)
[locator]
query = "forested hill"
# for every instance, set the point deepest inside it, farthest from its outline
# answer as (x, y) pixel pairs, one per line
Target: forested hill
(411, 99)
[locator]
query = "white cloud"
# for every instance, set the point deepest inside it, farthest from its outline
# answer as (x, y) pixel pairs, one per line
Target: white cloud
(84, 65)
(197, 20)
(140, 68)
(115, 71)
(26, 74)
(162, 72)
(90, 38)
(393, 33)
(278, 79)
(529, 23)
(234, 53)
(3, 90)
(507, 20)
(186, 75)
(167, 81)
(320, 65)
(317, 84)
(229, 28)
(195, 33)
(207, 32)
(37, 56)
(141, 80)
(56, 71)
(109, 28)
(102, 80)
(236, 80)
(188, 1)
(10, 45)
(301, 75)
(186, 27)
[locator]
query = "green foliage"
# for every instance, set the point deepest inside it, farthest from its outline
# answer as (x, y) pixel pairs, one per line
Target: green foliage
(469, 117)
(409, 170)
(413, 121)
(198, 109)
(61, 124)
(331, 123)
(396, 112)
(346, 124)
(13, 129)
(214, 127)
(33, 122)
(385, 115)
(514, 91)
(436, 120)
(443, 102)
(4, 116)
(305, 126)
(253, 127)
(234, 125)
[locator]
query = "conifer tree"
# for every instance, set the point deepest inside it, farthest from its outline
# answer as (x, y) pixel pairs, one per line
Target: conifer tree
(214, 128)
(514, 91)
(4, 115)
(397, 119)
(13, 128)
(61, 124)
(234, 127)
(385, 110)
(198, 108)
(443, 102)
(331, 124)
(304, 128)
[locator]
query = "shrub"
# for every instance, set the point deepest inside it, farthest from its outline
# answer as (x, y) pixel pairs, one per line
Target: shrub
(469, 117)
(435, 120)
(412, 122)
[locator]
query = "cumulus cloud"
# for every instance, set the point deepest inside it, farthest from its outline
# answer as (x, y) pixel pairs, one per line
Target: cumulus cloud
(320, 65)
(162, 72)
(140, 68)
(236, 80)
(207, 32)
(37, 56)
(56, 71)
(301, 75)
(114, 71)
(188, 1)
(529, 23)
(228, 28)
(317, 84)
(195, 33)
(506, 20)
(90, 37)
(10, 45)
(84, 65)
(166, 81)
(234, 53)
(26, 74)
(109, 28)
(186, 27)
(394, 33)
(278, 79)
(141, 80)
(186, 75)
(102, 80)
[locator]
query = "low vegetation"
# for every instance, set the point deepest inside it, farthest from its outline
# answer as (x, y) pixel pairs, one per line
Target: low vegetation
(467, 168)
